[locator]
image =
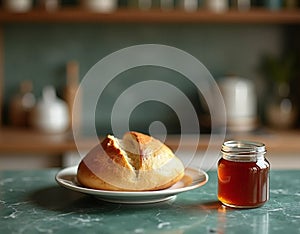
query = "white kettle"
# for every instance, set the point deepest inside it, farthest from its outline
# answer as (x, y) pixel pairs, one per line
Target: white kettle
(241, 103)
(50, 115)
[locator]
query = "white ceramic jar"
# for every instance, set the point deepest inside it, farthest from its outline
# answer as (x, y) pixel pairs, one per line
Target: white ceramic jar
(189, 5)
(51, 114)
(100, 5)
(18, 5)
(217, 5)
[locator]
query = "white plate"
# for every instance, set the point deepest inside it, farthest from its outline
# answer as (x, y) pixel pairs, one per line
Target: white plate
(193, 178)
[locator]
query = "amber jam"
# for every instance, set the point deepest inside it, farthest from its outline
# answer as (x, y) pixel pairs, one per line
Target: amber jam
(243, 174)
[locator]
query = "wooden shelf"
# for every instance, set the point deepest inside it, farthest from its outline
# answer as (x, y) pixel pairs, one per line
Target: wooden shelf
(78, 15)
(21, 141)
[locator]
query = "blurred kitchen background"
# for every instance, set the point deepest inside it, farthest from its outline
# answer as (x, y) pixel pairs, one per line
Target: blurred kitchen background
(251, 48)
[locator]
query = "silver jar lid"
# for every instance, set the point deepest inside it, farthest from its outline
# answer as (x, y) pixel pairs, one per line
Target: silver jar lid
(243, 151)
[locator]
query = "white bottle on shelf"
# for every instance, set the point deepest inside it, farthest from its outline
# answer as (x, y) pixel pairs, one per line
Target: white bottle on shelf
(21, 105)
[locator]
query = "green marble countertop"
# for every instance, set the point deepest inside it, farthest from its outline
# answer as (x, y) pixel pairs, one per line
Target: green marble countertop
(32, 202)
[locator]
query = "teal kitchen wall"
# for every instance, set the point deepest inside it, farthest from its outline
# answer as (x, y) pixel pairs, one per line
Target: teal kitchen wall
(39, 52)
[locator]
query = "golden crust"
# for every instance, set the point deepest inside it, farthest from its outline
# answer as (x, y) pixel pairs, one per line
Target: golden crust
(87, 178)
(141, 138)
(114, 152)
(136, 163)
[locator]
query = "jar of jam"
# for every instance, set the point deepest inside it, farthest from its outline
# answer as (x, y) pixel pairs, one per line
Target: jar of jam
(243, 174)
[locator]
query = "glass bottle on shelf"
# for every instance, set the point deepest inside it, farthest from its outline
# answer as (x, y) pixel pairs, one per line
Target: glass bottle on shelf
(21, 105)
(274, 5)
(49, 5)
(140, 4)
(241, 5)
(167, 4)
(280, 107)
(281, 111)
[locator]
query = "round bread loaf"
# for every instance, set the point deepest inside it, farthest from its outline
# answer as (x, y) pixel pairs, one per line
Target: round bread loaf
(138, 162)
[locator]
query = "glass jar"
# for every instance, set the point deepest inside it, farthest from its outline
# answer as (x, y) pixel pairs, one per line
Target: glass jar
(243, 174)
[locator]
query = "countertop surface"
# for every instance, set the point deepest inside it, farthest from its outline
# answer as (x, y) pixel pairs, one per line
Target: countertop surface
(32, 202)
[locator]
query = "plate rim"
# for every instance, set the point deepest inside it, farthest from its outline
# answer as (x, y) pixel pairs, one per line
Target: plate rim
(104, 193)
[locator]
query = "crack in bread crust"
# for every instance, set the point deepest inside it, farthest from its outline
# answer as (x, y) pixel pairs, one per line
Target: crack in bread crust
(115, 152)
